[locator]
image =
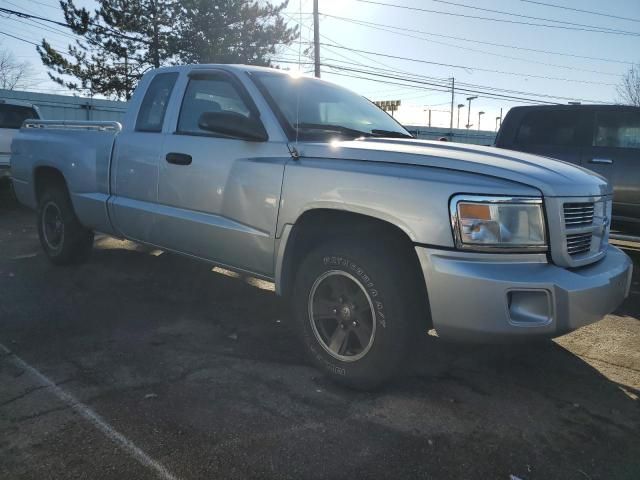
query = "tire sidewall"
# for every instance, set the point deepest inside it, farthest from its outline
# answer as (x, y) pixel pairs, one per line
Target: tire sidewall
(369, 269)
(50, 197)
(77, 240)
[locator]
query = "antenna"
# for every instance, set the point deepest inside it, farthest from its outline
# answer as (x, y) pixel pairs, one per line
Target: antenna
(299, 70)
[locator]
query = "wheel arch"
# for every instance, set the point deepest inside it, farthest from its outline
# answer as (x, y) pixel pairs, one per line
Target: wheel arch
(46, 176)
(321, 224)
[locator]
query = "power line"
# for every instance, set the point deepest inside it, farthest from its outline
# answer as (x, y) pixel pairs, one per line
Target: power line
(40, 25)
(299, 23)
(45, 4)
(501, 20)
(466, 67)
(469, 88)
(445, 82)
(21, 35)
(533, 102)
(591, 12)
(18, 38)
(395, 79)
(377, 62)
(24, 22)
(463, 39)
(62, 24)
(382, 28)
(28, 15)
(518, 15)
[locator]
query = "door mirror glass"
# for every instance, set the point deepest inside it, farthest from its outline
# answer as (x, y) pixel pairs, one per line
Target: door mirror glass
(232, 124)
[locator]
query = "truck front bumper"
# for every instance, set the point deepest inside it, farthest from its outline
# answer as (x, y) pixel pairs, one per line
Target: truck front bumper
(485, 297)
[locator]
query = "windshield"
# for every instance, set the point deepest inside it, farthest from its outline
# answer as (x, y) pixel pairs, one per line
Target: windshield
(319, 110)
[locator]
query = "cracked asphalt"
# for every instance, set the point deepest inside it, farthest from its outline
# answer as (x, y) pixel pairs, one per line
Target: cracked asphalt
(201, 371)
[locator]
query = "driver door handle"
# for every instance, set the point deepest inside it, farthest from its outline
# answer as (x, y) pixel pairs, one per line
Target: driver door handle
(605, 161)
(178, 158)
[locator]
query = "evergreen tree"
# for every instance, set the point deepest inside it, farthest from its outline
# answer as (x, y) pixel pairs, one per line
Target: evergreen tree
(121, 39)
(230, 31)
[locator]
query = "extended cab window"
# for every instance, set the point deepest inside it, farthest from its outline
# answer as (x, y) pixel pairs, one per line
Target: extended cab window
(12, 116)
(546, 127)
(154, 103)
(617, 129)
(204, 95)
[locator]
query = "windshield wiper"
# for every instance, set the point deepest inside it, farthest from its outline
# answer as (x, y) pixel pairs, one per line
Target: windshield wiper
(376, 132)
(390, 133)
(334, 128)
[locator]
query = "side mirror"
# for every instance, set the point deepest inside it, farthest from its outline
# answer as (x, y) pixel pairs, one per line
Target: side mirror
(234, 125)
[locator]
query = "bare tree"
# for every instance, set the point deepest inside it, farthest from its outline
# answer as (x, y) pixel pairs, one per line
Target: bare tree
(14, 74)
(629, 89)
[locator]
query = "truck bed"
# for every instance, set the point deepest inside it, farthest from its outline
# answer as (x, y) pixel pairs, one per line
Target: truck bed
(81, 151)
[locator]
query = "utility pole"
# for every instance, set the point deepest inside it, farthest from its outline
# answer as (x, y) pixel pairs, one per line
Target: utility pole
(453, 94)
(429, 118)
(469, 112)
(155, 42)
(479, 115)
(460, 105)
(316, 39)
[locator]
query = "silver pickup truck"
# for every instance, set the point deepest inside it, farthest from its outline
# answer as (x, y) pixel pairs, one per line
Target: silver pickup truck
(373, 236)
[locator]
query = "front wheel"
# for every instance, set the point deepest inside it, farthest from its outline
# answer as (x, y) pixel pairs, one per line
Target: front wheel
(356, 306)
(63, 238)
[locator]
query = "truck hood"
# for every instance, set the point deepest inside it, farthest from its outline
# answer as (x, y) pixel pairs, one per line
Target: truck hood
(554, 178)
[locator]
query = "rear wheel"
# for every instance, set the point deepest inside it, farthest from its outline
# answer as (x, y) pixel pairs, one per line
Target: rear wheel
(63, 238)
(357, 307)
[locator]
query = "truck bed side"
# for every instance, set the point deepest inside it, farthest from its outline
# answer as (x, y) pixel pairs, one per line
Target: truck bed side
(80, 152)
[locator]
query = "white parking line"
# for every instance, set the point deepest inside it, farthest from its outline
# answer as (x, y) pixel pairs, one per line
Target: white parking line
(112, 434)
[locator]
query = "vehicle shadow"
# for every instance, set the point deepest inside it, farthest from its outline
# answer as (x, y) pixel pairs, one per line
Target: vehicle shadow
(536, 401)
(211, 340)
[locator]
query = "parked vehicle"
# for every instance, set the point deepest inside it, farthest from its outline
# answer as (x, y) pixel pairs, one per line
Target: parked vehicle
(12, 114)
(373, 236)
(602, 138)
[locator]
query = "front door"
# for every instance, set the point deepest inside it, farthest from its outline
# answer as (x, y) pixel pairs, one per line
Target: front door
(218, 197)
(616, 155)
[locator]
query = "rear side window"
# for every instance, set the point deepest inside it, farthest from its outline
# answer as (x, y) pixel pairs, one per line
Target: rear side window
(617, 129)
(546, 127)
(205, 95)
(12, 116)
(154, 103)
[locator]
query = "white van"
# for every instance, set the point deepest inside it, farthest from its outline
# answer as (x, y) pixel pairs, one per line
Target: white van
(12, 114)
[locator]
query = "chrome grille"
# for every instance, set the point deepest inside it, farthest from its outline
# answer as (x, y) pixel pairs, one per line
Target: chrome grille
(578, 214)
(579, 243)
(579, 228)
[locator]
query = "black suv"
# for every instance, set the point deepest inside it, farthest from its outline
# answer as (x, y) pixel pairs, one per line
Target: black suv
(602, 138)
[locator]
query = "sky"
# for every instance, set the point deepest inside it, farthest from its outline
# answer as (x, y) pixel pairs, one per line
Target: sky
(446, 40)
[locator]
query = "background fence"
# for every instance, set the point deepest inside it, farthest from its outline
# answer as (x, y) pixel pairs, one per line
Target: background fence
(476, 137)
(64, 107)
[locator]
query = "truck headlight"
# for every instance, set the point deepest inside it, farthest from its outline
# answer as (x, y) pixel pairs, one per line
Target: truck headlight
(494, 223)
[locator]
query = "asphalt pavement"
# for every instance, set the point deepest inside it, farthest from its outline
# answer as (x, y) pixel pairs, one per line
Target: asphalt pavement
(142, 365)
